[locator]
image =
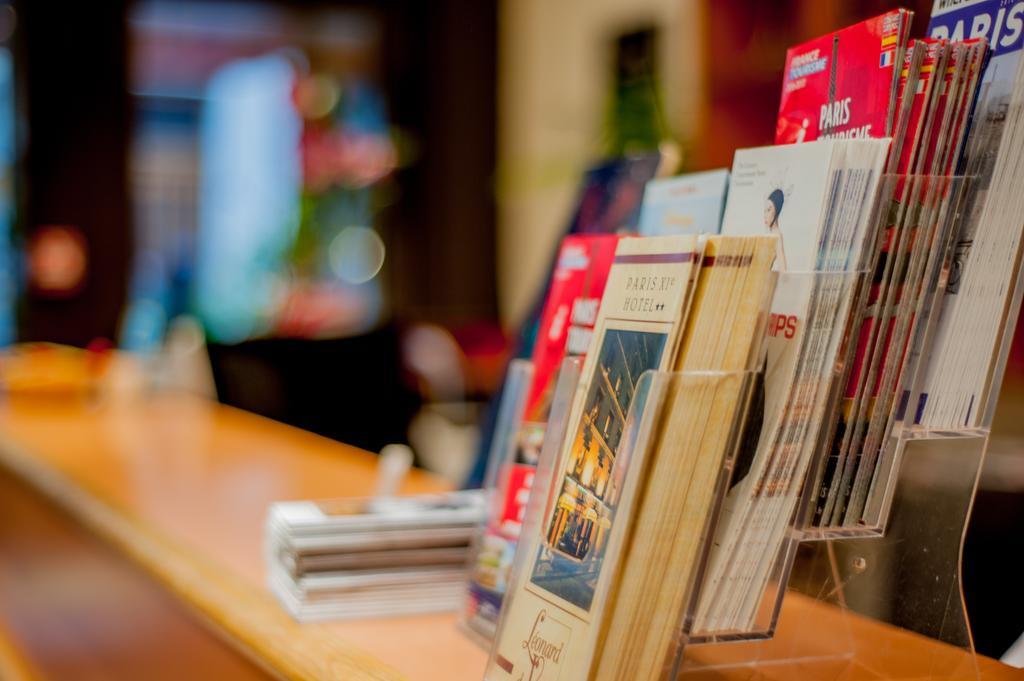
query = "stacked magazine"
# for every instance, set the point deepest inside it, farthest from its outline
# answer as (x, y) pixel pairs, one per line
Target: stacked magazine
(867, 81)
(930, 114)
(818, 197)
(915, 250)
(962, 366)
(371, 557)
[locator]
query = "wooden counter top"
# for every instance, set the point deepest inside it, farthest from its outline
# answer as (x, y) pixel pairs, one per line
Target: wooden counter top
(72, 606)
(182, 486)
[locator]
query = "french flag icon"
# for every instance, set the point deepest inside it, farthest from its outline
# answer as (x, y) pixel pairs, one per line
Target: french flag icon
(885, 59)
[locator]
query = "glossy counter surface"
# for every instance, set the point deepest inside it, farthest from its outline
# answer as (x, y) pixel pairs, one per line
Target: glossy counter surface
(182, 486)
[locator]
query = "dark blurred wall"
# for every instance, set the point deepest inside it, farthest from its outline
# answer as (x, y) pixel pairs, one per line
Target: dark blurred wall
(441, 70)
(71, 70)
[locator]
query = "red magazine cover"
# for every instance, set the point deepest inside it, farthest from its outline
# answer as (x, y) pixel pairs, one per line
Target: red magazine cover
(922, 110)
(945, 104)
(911, 154)
(843, 84)
(923, 67)
(566, 324)
(922, 88)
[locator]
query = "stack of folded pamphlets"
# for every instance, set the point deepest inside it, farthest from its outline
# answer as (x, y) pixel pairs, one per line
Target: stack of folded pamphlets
(371, 557)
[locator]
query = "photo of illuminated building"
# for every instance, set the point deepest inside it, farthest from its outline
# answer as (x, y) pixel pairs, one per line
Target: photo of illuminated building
(570, 561)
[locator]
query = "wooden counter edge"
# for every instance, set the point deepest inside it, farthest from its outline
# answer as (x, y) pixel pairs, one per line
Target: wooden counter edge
(248, 619)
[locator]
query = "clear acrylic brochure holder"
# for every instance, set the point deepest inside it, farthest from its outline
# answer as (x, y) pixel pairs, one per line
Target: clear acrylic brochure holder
(900, 563)
(655, 393)
(881, 598)
(869, 589)
(493, 546)
(707, 482)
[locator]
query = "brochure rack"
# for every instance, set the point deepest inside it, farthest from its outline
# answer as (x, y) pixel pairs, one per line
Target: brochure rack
(900, 565)
(506, 427)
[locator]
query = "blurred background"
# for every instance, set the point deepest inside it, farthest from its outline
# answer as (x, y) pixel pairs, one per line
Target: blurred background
(341, 215)
(350, 208)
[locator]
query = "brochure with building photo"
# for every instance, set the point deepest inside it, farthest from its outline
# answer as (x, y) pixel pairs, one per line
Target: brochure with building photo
(694, 426)
(566, 327)
(549, 613)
